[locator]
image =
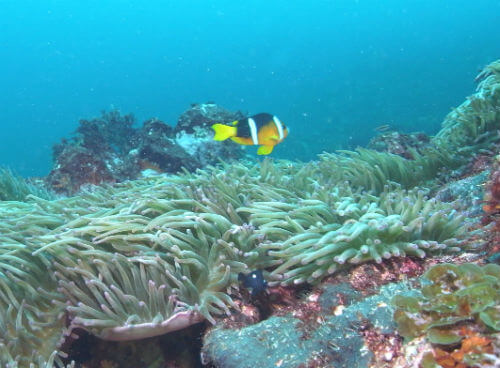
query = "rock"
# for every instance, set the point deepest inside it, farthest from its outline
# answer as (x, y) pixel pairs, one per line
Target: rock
(336, 341)
(338, 294)
(203, 116)
(158, 149)
(399, 143)
(109, 149)
(166, 155)
(470, 192)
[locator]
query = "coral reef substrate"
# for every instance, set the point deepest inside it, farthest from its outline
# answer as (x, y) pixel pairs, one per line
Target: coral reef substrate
(109, 149)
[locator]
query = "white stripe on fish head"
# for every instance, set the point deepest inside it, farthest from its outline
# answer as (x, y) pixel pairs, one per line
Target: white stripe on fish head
(253, 131)
(279, 126)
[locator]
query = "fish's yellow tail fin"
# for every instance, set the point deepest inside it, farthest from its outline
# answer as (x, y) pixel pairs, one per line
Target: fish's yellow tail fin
(265, 150)
(223, 132)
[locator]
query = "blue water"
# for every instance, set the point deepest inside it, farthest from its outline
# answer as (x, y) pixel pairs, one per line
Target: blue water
(331, 70)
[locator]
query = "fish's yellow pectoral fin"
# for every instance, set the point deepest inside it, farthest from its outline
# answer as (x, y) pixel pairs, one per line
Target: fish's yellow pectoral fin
(274, 138)
(265, 150)
(223, 132)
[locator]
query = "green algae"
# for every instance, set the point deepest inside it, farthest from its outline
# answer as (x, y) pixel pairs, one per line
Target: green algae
(453, 295)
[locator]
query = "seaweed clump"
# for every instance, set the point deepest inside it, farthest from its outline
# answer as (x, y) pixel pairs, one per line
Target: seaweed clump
(457, 309)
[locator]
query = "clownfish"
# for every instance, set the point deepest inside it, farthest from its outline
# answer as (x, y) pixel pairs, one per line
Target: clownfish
(262, 129)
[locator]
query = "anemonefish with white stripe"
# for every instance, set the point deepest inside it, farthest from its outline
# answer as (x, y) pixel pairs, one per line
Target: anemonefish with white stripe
(262, 129)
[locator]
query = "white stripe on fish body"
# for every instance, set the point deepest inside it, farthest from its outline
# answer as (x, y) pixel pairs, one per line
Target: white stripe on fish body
(279, 126)
(253, 131)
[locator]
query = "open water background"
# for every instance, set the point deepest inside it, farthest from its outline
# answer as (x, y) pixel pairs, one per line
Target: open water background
(331, 70)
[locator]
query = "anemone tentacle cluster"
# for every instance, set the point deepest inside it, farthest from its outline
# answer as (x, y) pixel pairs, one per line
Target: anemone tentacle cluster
(16, 188)
(474, 124)
(145, 257)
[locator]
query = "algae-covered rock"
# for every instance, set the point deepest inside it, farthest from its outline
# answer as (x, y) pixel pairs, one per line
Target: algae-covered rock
(337, 341)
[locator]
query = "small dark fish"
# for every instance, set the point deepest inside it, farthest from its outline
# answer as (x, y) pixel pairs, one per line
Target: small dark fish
(254, 281)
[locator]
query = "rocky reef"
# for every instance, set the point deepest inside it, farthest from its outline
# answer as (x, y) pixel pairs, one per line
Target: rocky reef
(109, 149)
(335, 239)
(400, 144)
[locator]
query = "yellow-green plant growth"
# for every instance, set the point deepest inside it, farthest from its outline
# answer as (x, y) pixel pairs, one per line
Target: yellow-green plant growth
(452, 295)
